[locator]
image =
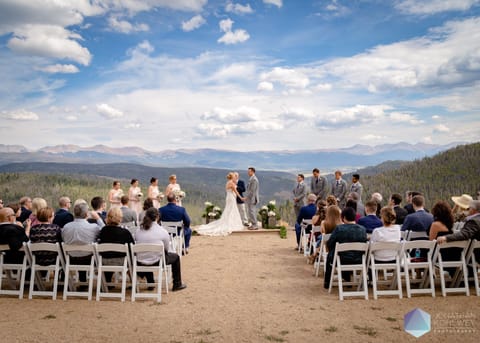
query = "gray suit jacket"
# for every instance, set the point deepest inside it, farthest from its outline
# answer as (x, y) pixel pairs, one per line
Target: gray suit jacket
(340, 192)
(358, 188)
(299, 193)
(252, 194)
(129, 215)
(319, 188)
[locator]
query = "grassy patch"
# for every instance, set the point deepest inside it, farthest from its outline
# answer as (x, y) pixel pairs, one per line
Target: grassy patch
(366, 330)
(376, 308)
(283, 231)
(50, 316)
(284, 332)
(331, 328)
(273, 338)
(391, 319)
(206, 332)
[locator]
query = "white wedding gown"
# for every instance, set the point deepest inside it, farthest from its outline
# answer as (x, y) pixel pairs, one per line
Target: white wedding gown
(228, 222)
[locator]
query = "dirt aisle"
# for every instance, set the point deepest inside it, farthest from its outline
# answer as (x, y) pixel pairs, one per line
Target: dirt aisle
(241, 288)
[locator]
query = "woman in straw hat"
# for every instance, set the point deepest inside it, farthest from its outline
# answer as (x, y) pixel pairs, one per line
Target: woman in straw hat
(460, 210)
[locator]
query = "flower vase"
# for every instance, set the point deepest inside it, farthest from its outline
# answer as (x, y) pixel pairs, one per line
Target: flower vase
(272, 221)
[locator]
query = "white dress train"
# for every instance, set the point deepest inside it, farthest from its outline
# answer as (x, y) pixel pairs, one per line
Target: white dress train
(229, 221)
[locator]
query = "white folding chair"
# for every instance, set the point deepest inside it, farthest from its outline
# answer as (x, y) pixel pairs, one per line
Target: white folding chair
(70, 283)
(159, 269)
(177, 238)
(15, 283)
(416, 235)
(375, 266)
(102, 268)
(413, 266)
(130, 226)
(457, 226)
(303, 236)
(357, 280)
(321, 260)
(312, 240)
(34, 249)
(460, 266)
(474, 264)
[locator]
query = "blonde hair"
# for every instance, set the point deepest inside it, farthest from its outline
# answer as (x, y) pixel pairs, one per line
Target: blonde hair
(172, 177)
(230, 175)
(37, 204)
(114, 216)
(388, 215)
(332, 218)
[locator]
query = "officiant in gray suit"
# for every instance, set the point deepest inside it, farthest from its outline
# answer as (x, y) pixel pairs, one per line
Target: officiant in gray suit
(252, 198)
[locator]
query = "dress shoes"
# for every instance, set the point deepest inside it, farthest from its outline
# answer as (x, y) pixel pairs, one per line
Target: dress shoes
(253, 228)
(179, 287)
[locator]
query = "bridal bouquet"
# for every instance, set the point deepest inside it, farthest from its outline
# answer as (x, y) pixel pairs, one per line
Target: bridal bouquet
(160, 196)
(139, 194)
(179, 194)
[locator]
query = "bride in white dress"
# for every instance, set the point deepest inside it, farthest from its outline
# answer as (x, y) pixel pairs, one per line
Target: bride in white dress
(230, 219)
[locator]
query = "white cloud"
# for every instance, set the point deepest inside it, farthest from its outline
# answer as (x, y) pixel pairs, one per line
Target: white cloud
(226, 24)
(214, 130)
(21, 115)
(287, 77)
(238, 8)
(441, 128)
(49, 41)
(108, 111)
(235, 71)
(265, 86)
(71, 118)
(372, 137)
(323, 87)
(235, 115)
(193, 24)
(427, 7)
(297, 114)
(436, 117)
(277, 3)
(124, 26)
(60, 68)
(427, 140)
(399, 117)
(134, 125)
(355, 115)
(231, 37)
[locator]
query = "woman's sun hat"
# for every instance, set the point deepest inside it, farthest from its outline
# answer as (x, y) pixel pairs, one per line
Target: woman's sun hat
(463, 201)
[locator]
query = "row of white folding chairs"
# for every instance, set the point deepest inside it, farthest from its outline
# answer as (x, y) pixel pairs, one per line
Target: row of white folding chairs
(411, 267)
(95, 269)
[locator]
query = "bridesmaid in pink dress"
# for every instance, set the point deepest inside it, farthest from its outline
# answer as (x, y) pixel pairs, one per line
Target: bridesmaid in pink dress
(135, 196)
(115, 194)
(154, 193)
(173, 186)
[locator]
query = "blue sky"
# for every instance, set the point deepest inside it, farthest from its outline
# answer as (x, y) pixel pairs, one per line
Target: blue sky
(239, 75)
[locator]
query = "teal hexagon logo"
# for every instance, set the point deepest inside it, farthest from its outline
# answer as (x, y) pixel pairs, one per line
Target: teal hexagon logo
(417, 322)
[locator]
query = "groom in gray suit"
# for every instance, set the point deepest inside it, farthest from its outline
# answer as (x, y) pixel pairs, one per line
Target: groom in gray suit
(252, 198)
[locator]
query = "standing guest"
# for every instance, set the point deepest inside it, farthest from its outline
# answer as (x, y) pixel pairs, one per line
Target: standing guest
(339, 189)
(113, 233)
(37, 204)
(115, 194)
(174, 187)
(171, 212)
(99, 205)
(134, 196)
(419, 221)
(151, 232)
(147, 203)
(460, 209)
(306, 212)
(318, 185)
(360, 207)
(299, 194)
(63, 215)
(356, 186)
(154, 193)
(26, 209)
(388, 232)
(370, 221)
(400, 212)
(80, 231)
(12, 234)
(348, 232)
(240, 203)
(128, 215)
(46, 232)
(252, 198)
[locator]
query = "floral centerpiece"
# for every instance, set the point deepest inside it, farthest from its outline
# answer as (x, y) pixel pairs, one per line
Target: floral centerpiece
(211, 212)
(269, 214)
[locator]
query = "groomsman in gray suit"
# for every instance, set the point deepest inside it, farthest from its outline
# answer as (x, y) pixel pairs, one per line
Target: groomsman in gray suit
(252, 198)
(339, 189)
(318, 185)
(299, 194)
(356, 186)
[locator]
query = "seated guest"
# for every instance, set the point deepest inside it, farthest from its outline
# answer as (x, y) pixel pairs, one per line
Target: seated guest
(400, 212)
(12, 234)
(332, 219)
(353, 204)
(37, 204)
(80, 231)
(348, 232)
(331, 200)
(17, 210)
(113, 233)
(128, 214)
(147, 203)
(460, 210)
(99, 205)
(320, 213)
(26, 209)
(173, 213)
(377, 197)
(360, 207)
(389, 232)
(151, 232)
(45, 232)
(63, 216)
(370, 221)
(420, 220)
(306, 212)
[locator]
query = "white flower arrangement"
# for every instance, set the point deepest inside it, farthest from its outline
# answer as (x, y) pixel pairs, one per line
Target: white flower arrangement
(271, 214)
(208, 203)
(160, 196)
(264, 208)
(139, 194)
(272, 202)
(212, 214)
(216, 209)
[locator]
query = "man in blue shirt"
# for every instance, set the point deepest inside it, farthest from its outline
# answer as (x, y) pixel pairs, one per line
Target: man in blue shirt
(171, 212)
(306, 212)
(370, 221)
(420, 220)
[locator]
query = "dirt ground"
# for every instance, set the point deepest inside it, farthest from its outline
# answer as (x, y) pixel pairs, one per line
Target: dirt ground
(246, 287)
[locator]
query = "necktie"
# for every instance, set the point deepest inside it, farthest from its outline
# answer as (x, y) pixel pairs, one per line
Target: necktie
(316, 181)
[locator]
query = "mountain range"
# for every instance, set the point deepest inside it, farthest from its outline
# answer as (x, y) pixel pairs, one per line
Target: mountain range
(347, 159)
